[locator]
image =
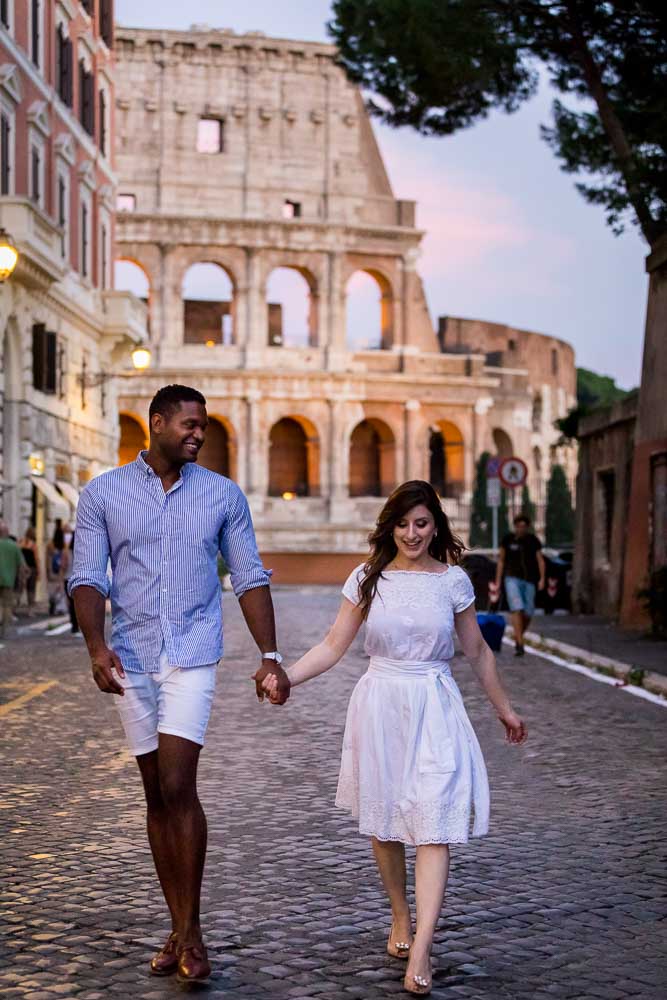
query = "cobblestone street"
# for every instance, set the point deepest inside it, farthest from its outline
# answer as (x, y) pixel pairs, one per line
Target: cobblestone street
(565, 898)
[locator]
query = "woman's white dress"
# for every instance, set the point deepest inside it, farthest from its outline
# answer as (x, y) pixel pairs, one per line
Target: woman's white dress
(412, 769)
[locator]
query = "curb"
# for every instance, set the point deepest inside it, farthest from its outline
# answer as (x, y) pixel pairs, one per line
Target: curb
(626, 672)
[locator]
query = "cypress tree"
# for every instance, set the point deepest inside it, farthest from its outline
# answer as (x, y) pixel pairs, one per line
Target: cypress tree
(481, 516)
(527, 505)
(559, 528)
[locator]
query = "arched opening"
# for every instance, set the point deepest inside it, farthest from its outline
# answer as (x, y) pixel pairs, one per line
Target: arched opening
(369, 312)
(218, 453)
(208, 306)
(446, 462)
(11, 426)
(372, 459)
(130, 277)
(537, 413)
(294, 459)
(537, 463)
(133, 438)
(503, 443)
(291, 303)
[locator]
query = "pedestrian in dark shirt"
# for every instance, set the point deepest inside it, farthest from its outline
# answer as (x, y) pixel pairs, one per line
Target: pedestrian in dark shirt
(521, 563)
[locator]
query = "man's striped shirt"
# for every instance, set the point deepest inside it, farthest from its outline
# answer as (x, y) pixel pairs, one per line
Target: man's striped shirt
(163, 549)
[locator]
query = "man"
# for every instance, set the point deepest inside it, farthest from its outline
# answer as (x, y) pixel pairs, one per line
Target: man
(162, 521)
(11, 565)
(521, 562)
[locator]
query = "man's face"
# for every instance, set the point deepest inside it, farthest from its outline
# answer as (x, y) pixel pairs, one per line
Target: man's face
(181, 435)
(520, 528)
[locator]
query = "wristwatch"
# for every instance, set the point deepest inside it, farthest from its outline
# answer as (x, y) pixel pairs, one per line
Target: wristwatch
(273, 656)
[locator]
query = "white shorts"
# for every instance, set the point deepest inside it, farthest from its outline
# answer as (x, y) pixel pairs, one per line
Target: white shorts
(173, 700)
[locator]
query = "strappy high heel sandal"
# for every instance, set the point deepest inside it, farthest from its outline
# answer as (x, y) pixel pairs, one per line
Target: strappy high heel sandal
(419, 985)
(397, 949)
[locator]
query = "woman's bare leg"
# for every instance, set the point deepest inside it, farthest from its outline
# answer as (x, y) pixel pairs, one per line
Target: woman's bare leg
(431, 873)
(390, 858)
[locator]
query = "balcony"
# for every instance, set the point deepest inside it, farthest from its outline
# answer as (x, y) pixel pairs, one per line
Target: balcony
(125, 321)
(38, 241)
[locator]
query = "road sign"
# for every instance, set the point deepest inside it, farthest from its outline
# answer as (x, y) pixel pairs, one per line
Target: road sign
(492, 466)
(513, 472)
(493, 493)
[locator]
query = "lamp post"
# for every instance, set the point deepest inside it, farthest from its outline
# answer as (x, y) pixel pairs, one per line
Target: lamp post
(9, 255)
(141, 359)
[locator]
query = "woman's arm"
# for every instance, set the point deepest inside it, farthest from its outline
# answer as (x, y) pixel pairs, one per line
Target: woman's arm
(483, 662)
(327, 653)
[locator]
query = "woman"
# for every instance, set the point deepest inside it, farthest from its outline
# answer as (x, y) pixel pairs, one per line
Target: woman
(28, 546)
(412, 770)
(56, 565)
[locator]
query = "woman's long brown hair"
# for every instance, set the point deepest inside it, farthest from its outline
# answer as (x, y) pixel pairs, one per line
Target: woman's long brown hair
(445, 546)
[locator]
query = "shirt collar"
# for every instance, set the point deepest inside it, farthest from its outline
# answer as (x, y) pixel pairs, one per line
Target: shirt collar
(147, 471)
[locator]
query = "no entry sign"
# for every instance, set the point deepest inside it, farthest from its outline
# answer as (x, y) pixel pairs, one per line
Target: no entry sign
(513, 472)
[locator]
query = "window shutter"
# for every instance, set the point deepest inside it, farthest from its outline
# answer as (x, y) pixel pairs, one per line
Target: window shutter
(38, 355)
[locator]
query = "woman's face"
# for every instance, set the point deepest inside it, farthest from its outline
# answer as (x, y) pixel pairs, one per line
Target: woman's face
(414, 532)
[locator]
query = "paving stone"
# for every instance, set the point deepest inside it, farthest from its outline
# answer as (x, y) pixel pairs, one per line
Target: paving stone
(562, 899)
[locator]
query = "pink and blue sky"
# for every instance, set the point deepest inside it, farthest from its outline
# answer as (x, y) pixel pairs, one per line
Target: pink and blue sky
(508, 237)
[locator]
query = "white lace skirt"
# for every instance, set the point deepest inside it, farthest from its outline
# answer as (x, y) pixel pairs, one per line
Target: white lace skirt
(412, 769)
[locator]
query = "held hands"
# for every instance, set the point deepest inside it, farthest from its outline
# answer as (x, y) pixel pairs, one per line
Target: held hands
(272, 680)
(104, 662)
(515, 729)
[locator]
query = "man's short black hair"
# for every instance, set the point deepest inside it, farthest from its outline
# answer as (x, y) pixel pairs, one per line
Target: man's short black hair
(168, 399)
(522, 518)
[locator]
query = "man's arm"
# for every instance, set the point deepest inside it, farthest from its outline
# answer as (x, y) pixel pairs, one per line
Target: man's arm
(542, 566)
(89, 588)
(250, 582)
(501, 566)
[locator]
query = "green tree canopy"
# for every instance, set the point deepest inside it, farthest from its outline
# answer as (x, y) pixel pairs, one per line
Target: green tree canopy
(441, 65)
(596, 390)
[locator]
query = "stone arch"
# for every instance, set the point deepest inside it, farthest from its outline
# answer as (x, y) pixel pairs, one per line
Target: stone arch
(536, 416)
(11, 425)
(294, 458)
(219, 451)
(447, 459)
(537, 463)
(131, 276)
(209, 304)
(369, 308)
(133, 437)
(372, 459)
(502, 443)
(291, 306)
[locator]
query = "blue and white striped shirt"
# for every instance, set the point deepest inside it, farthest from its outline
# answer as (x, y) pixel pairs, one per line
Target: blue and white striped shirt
(163, 549)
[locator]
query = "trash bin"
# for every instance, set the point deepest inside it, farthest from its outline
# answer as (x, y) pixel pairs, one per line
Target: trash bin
(492, 628)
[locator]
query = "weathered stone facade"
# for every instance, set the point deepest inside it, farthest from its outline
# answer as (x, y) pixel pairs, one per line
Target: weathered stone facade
(317, 433)
(65, 331)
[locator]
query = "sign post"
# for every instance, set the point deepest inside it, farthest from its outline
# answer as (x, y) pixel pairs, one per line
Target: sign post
(493, 496)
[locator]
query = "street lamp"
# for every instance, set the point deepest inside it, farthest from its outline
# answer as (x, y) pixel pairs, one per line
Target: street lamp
(141, 359)
(9, 255)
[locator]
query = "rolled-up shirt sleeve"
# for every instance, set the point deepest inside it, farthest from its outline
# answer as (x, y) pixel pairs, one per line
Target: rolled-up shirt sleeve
(91, 544)
(239, 547)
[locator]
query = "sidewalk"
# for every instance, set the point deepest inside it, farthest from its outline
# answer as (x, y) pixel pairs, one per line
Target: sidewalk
(635, 657)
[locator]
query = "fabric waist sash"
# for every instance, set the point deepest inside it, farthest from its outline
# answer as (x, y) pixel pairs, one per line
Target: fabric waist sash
(429, 669)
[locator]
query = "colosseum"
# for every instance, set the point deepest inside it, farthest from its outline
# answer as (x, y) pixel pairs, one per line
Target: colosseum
(257, 219)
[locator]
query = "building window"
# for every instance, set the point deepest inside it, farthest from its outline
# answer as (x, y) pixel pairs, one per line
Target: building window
(64, 66)
(104, 255)
(606, 495)
(36, 174)
(86, 98)
(291, 209)
(126, 203)
(88, 6)
(210, 135)
(554, 361)
(5, 14)
(103, 122)
(5, 153)
(44, 359)
(85, 239)
(36, 31)
(63, 213)
(106, 22)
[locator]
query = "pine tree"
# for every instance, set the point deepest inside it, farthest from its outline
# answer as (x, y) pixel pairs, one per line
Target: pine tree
(559, 528)
(527, 505)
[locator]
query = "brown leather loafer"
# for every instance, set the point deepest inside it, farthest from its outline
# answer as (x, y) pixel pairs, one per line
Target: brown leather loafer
(165, 962)
(193, 964)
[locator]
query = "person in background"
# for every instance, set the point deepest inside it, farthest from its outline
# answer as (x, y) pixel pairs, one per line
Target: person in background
(28, 546)
(68, 563)
(11, 564)
(521, 563)
(56, 562)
